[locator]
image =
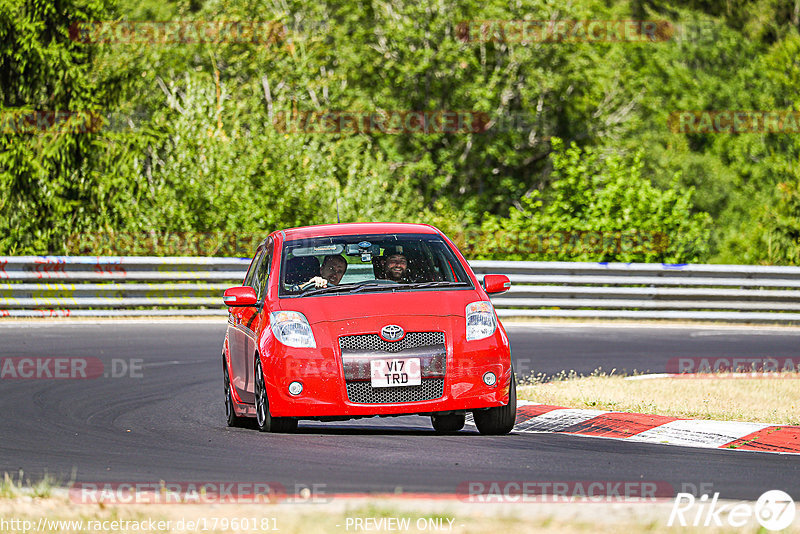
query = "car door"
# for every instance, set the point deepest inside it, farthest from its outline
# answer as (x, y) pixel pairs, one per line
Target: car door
(252, 319)
(241, 337)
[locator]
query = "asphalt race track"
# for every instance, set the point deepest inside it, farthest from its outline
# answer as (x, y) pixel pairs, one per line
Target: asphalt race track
(167, 421)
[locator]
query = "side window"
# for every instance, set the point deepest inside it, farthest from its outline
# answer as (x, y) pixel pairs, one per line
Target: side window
(262, 274)
(254, 266)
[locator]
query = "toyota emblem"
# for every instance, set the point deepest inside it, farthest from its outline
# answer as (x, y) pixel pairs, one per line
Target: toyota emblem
(392, 332)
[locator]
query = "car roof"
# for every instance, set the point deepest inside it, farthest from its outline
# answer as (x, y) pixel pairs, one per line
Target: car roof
(306, 232)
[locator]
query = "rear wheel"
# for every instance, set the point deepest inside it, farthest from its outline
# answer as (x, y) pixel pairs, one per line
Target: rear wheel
(447, 424)
(230, 413)
(265, 422)
(498, 420)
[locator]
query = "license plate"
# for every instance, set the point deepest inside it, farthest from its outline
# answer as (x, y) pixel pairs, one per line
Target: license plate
(395, 372)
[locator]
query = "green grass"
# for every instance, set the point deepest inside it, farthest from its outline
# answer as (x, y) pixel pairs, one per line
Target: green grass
(763, 400)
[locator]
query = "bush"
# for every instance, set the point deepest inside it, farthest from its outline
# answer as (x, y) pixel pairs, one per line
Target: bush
(598, 207)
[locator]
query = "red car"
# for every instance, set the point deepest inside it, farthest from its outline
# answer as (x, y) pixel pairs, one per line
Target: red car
(343, 321)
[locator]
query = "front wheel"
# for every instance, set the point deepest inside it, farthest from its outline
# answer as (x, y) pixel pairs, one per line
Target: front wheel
(265, 421)
(447, 424)
(501, 419)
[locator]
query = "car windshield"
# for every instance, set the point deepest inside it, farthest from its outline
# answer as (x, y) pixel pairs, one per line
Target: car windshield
(369, 263)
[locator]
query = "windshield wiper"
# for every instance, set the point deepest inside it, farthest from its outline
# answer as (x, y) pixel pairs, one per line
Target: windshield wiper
(351, 288)
(441, 283)
(328, 289)
(379, 286)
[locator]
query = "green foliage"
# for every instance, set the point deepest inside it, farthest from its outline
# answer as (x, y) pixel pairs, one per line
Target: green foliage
(193, 148)
(49, 178)
(782, 227)
(599, 208)
(774, 236)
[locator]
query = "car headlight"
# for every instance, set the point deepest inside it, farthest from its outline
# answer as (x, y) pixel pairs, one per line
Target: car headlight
(481, 321)
(292, 329)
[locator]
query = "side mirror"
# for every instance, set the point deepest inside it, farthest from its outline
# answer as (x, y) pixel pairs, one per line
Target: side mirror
(240, 296)
(496, 283)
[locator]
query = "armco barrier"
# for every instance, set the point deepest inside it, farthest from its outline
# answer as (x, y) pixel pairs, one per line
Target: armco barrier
(750, 293)
(114, 286)
(96, 286)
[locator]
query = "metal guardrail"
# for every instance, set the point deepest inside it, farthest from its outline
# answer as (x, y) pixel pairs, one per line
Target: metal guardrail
(749, 293)
(36, 286)
(97, 286)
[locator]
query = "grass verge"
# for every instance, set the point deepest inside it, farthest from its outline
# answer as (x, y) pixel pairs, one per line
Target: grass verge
(22, 487)
(762, 400)
(344, 515)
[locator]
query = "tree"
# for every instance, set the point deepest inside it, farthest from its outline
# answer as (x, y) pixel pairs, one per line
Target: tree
(50, 100)
(599, 208)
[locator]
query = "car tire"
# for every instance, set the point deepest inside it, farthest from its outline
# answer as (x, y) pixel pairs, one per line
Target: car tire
(265, 421)
(501, 419)
(448, 424)
(230, 414)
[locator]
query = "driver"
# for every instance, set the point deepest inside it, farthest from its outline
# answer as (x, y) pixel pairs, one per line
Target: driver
(396, 267)
(331, 272)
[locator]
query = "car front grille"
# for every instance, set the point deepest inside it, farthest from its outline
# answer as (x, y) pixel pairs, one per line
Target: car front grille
(364, 393)
(359, 350)
(374, 343)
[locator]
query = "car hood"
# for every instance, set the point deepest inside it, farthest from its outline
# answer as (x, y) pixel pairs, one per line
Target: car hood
(343, 307)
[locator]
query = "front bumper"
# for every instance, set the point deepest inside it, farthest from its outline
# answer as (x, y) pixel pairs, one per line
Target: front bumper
(325, 393)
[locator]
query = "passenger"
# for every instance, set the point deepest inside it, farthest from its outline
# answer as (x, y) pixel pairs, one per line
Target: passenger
(331, 272)
(396, 268)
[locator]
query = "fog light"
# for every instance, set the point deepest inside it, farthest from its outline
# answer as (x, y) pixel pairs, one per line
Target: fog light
(295, 388)
(489, 379)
